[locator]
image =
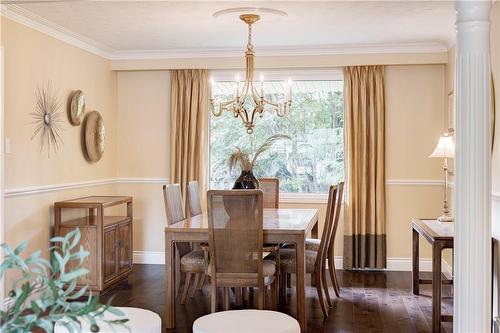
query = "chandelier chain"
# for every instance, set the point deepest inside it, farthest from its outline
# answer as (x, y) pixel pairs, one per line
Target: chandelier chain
(249, 44)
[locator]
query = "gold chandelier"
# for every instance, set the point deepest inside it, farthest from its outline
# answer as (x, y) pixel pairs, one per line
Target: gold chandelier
(249, 97)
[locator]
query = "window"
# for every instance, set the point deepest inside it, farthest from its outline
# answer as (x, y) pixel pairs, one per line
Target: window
(308, 163)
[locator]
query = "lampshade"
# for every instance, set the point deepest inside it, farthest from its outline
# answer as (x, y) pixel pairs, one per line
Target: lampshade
(445, 148)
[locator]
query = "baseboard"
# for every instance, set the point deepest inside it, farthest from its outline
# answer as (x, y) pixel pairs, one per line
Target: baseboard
(393, 264)
(149, 257)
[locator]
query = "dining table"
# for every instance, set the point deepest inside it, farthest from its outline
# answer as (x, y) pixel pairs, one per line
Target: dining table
(280, 225)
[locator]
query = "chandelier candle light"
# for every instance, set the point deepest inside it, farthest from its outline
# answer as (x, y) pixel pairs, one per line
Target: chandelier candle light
(249, 101)
(445, 149)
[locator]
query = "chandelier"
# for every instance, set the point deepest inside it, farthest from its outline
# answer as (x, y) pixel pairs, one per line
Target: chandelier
(249, 100)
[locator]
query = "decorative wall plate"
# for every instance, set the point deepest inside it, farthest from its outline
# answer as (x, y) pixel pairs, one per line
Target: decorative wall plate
(94, 134)
(77, 107)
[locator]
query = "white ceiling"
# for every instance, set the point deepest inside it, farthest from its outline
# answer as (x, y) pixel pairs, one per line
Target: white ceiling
(189, 26)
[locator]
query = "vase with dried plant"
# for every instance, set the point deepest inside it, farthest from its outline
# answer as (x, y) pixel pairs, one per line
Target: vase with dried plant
(247, 161)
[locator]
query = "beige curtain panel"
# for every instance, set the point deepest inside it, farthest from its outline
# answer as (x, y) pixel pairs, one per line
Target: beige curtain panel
(189, 129)
(365, 234)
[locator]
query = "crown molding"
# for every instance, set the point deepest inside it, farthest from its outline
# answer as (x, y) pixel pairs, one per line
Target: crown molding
(22, 16)
(317, 50)
(25, 17)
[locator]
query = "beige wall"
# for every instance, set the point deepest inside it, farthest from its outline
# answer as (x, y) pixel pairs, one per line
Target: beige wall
(414, 121)
(143, 150)
(32, 58)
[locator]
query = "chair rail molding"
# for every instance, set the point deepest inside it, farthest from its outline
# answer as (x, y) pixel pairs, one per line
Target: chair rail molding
(284, 197)
(15, 192)
(472, 260)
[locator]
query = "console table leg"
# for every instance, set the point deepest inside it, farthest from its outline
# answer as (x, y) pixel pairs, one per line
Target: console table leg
(436, 287)
(415, 262)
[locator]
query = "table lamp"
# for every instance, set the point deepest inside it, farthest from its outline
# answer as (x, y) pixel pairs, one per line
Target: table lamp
(445, 149)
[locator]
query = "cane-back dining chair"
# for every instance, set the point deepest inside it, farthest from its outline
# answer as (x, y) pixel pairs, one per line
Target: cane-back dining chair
(235, 221)
(194, 198)
(271, 191)
(191, 262)
(316, 260)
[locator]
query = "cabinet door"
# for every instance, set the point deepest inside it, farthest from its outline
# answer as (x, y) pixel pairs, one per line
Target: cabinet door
(109, 253)
(124, 247)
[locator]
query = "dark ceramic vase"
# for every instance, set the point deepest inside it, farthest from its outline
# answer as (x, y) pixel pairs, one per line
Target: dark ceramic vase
(246, 181)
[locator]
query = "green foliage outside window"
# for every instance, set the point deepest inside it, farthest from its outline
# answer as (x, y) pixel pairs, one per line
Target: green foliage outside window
(308, 163)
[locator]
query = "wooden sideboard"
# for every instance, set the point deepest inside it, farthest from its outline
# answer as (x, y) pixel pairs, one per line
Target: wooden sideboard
(108, 238)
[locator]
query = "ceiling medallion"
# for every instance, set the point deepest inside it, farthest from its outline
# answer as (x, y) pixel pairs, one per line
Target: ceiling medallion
(255, 10)
(249, 100)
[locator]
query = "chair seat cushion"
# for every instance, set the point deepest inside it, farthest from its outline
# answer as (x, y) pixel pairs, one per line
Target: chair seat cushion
(312, 244)
(268, 266)
(139, 320)
(246, 321)
(193, 261)
(287, 259)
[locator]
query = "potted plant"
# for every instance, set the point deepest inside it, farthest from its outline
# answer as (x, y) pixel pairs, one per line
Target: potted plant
(46, 291)
(247, 162)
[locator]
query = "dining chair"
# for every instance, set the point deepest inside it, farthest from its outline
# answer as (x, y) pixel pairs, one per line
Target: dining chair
(316, 260)
(271, 189)
(235, 221)
(194, 198)
(192, 262)
(313, 244)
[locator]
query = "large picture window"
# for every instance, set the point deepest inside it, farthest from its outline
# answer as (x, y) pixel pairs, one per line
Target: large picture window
(310, 161)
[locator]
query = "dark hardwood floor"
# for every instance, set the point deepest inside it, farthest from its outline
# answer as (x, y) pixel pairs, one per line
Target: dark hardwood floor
(370, 302)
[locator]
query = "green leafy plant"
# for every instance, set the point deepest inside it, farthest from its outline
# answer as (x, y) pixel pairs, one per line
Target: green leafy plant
(47, 293)
(246, 160)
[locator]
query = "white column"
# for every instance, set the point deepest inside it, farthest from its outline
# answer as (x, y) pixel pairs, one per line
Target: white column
(472, 262)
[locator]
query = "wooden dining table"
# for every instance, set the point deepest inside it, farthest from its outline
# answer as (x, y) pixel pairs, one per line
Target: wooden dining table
(282, 225)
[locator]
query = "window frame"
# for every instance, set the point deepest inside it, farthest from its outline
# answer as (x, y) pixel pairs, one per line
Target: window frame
(302, 74)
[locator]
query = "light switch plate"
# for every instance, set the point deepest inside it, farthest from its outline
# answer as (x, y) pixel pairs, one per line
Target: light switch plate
(6, 146)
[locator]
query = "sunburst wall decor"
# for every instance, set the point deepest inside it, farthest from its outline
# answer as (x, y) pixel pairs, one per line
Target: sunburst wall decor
(48, 118)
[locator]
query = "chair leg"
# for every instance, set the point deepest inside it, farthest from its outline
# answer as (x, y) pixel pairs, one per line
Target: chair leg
(319, 289)
(337, 285)
(325, 287)
(260, 302)
(289, 280)
(197, 277)
(273, 298)
(245, 294)
(333, 275)
(238, 293)
(187, 282)
(213, 298)
(282, 287)
(226, 299)
(202, 281)
(313, 279)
